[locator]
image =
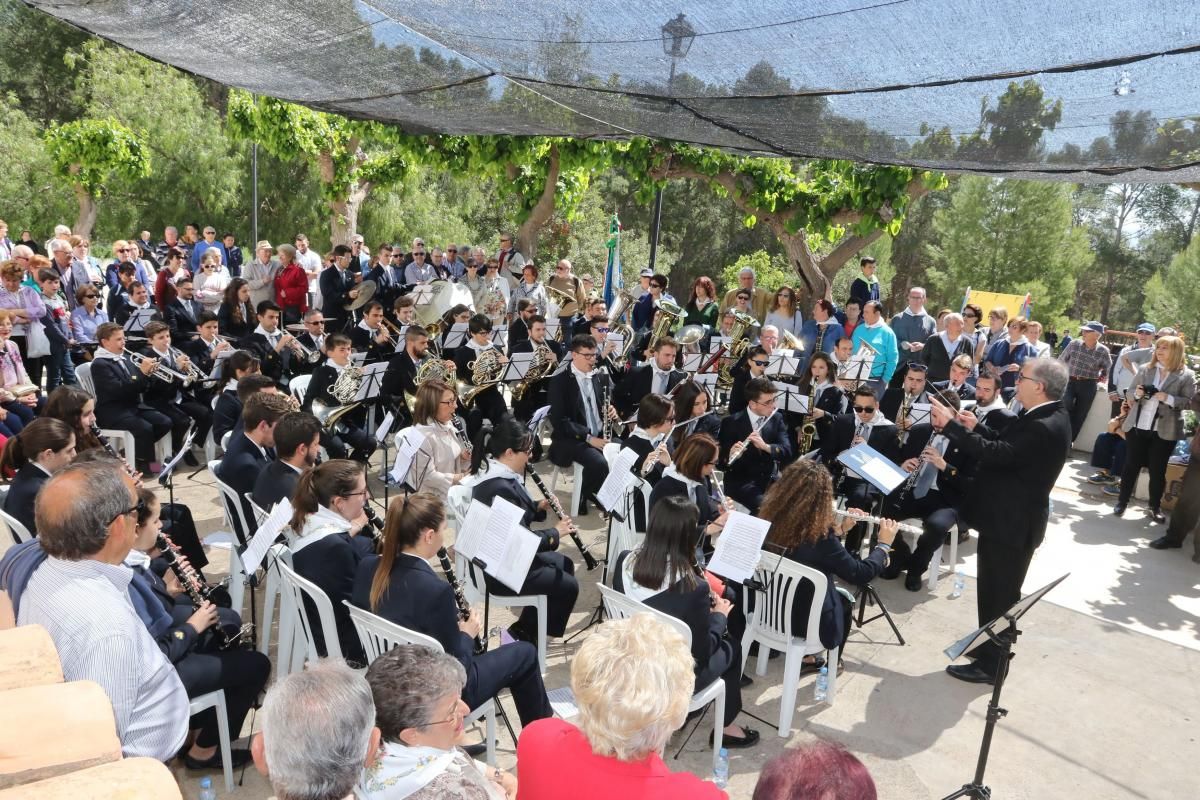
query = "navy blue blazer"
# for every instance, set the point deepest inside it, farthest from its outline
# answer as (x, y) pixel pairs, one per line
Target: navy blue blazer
(830, 556)
(515, 493)
(22, 493)
(332, 564)
(118, 391)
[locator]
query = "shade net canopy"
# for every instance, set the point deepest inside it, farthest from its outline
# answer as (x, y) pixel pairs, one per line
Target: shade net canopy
(1106, 91)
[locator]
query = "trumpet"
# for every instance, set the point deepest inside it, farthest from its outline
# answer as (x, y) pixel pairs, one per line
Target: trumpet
(161, 371)
(309, 355)
(903, 526)
(193, 372)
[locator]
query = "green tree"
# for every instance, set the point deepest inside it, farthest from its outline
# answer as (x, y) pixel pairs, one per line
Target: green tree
(1173, 295)
(769, 272)
(1010, 236)
(30, 194)
(33, 45)
(90, 153)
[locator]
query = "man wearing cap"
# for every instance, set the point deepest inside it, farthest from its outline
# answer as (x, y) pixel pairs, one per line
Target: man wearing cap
(1127, 362)
(643, 284)
(1088, 362)
(760, 298)
(260, 273)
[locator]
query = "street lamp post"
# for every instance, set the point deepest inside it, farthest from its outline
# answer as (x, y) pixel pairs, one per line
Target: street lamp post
(677, 37)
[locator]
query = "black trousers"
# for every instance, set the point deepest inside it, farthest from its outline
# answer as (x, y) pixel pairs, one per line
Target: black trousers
(512, 666)
(1145, 449)
(1186, 514)
(488, 404)
(726, 663)
(182, 414)
(595, 470)
(937, 518)
(1002, 569)
(551, 574)
(1077, 400)
(146, 425)
(241, 673)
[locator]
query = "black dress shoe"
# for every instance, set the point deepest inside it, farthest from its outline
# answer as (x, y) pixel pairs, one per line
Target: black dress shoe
(239, 756)
(1119, 510)
(971, 673)
(1157, 515)
(189, 458)
(745, 681)
(733, 742)
(913, 581)
(1165, 543)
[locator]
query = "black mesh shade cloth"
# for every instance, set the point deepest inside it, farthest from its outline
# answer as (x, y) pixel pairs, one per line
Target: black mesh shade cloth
(1109, 91)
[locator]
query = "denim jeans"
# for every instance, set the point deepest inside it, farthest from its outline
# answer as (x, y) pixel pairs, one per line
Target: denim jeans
(59, 369)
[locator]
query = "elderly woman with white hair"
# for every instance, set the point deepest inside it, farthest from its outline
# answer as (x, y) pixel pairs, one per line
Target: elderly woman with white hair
(942, 348)
(632, 681)
(419, 712)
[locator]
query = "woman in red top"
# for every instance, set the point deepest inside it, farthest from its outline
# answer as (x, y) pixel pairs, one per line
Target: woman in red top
(632, 681)
(291, 285)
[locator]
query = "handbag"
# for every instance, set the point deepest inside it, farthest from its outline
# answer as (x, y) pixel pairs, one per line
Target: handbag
(37, 344)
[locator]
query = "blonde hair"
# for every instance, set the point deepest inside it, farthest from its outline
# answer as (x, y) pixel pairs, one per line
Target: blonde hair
(632, 681)
(1174, 360)
(117, 247)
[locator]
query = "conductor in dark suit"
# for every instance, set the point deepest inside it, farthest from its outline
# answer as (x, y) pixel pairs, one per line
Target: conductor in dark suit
(250, 452)
(297, 445)
(760, 436)
(656, 376)
(337, 285)
(1009, 502)
(578, 395)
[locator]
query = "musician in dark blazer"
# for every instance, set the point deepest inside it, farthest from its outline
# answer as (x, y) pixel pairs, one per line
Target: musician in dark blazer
(172, 398)
(577, 410)
(690, 475)
(989, 404)
(119, 386)
(271, 345)
(352, 427)
(761, 438)
(249, 452)
(750, 366)
(43, 447)
(297, 445)
(656, 376)
(960, 371)
(180, 310)
(338, 289)
(1009, 501)
(655, 416)
(487, 404)
(507, 448)
(401, 587)
(202, 347)
(400, 378)
(538, 394)
(371, 337)
(913, 386)
(518, 329)
(118, 296)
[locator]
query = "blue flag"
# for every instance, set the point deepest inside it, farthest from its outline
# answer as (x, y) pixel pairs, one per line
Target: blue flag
(612, 273)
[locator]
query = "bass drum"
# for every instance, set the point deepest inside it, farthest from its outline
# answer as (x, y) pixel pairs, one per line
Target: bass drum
(445, 296)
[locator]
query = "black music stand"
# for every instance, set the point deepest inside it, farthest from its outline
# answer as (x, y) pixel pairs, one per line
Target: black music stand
(1003, 632)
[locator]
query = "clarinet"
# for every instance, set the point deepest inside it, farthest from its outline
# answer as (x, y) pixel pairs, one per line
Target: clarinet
(573, 531)
(198, 592)
(460, 599)
(112, 451)
(606, 426)
(374, 527)
(910, 482)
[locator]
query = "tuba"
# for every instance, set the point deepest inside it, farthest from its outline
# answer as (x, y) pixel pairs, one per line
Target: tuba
(486, 370)
(620, 306)
(542, 365)
(344, 390)
(668, 315)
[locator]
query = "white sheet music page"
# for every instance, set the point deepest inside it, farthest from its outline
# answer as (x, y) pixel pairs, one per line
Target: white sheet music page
(384, 427)
(738, 547)
(918, 413)
(408, 441)
(470, 530)
(620, 478)
(262, 540)
(562, 702)
(506, 548)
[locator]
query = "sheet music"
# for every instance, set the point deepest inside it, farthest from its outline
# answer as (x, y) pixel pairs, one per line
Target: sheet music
(693, 361)
(794, 399)
(456, 336)
(518, 365)
(562, 702)
(138, 319)
(708, 380)
(873, 466)
(552, 326)
(266, 535)
(408, 441)
(918, 413)
(169, 467)
(538, 416)
(470, 530)
(738, 547)
(505, 547)
(615, 339)
(782, 364)
(422, 294)
(384, 427)
(357, 359)
(372, 378)
(620, 478)
(715, 342)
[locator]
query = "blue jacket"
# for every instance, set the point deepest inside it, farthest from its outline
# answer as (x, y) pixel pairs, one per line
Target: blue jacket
(883, 341)
(200, 247)
(833, 332)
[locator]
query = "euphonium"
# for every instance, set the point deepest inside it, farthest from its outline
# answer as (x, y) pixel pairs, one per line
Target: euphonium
(668, 315)
(541, 366)
(790, 342)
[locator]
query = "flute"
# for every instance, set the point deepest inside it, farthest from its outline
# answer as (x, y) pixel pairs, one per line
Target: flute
(652, 459)
(460, 598)
(572, 531)
(745, 443)
(903, 526)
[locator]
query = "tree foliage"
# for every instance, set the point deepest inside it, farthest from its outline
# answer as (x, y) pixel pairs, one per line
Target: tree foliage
(29, 190)
(88, 152)
(1173, 295)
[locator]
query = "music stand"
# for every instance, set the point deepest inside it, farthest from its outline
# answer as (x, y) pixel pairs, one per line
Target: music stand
(138, 318)
(455, 336)
(1003, 632)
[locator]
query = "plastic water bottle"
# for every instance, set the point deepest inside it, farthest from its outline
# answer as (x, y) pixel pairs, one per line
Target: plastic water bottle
(721, 769)
(206, 790)
(821, 690)
(960, 583)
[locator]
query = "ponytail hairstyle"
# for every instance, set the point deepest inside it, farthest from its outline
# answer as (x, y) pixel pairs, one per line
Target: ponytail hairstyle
(44, 433)
(319, 485)
(508, 434)
(238, 360)
(406, 518)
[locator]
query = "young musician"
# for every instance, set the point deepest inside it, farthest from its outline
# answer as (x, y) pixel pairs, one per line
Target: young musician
(333, 537)
(598, 328)
(235, 316)
(324, 377)
(655, 416)
(690, 475)
(818, 379)
(249, 452)
(960, 370)
(800, 510)
(693, 411)
(911, 391)
(489, 403)
(297, 438)
(443, 458)
(119, 386)
(754, 443)
(204, 346)
(656, 376)
(664, 575)
(138, 300)
(41, 449)
(459, 314)
(400, 586)
(579, 405)
(371, 336)
(751, 367)
(276, 349)
(173, 399)
(227, 411)
(505, 450)
(537, 395)
(338, 289)
(118, 301)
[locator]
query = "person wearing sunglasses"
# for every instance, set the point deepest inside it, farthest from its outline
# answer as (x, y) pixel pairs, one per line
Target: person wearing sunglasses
(754, 365)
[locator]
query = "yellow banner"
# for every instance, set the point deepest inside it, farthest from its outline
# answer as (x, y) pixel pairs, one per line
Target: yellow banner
(1015, 303)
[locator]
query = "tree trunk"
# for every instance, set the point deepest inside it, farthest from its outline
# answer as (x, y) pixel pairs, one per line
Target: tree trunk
(343, 215)
(539, 215)
(87, 213)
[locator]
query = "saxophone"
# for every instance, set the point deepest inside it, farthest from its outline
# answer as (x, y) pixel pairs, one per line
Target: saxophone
(808, 431)
(905, 407)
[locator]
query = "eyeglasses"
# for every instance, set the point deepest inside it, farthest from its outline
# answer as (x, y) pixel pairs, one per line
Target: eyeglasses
(451, 250)
(453, 719)
(124, 249)
(418, 253)
(450, 402)
(1024, 377)
(91, 297)
(655, 285)
(758, 363)
(600, 330)
(588, 356)
(864, 409)
(138, 508)
(770, 401)
(353, 494)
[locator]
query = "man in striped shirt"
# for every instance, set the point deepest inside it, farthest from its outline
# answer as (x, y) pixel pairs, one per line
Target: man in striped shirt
(87, 524)
(1088, 362)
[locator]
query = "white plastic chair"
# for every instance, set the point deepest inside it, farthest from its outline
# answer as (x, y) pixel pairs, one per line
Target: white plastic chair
(770, 624)
(121, 440)
(278, 553)
(216, 700)
(296, 589)
(231, 537)
(16, 529)
(379, 635)
(620, 606)
(624, 534)
(298, 386)
(576, 485)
